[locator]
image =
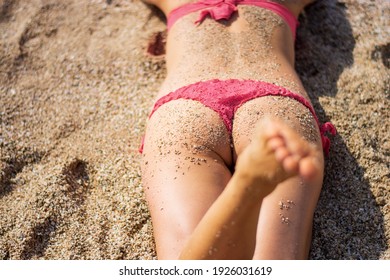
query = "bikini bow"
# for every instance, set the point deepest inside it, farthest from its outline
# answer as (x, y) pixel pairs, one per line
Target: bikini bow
(219, 9)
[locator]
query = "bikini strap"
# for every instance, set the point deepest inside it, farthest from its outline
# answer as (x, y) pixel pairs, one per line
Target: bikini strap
(223, 9)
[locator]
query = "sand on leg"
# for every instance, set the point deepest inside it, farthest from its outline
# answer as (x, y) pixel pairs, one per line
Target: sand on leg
(229, 228)
(286, 214)
(195, 216)
(184, 170)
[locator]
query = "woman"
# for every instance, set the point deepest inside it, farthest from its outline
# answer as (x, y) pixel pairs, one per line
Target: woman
(233, 153)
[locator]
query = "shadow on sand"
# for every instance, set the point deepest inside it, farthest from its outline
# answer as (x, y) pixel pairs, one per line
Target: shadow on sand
(348, 223)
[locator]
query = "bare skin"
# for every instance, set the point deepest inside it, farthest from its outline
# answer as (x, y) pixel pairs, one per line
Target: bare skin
(251, 195)
(275, 154)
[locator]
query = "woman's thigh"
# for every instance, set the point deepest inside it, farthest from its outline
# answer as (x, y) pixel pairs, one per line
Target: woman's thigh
(186, 153)
(285, 221)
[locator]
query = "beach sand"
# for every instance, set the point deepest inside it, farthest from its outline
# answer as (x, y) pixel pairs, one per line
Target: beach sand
(76, 86)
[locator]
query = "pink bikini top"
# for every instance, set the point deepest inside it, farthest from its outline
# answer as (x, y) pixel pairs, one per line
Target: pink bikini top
(223, 9)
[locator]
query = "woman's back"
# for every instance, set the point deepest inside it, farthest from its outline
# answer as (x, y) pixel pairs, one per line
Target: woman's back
(255, 43)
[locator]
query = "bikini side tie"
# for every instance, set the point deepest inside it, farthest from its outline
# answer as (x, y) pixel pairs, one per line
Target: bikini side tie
(330, 128)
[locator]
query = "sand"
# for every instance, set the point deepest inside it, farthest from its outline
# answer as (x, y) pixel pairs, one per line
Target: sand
(76, 86)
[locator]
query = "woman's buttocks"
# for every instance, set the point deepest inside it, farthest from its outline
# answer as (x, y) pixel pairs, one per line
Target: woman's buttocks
(242, 48)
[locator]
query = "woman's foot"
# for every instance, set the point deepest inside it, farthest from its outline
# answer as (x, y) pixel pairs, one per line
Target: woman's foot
(275, 154)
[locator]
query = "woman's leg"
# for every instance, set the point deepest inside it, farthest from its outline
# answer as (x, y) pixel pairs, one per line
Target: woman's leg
(184, 170)
(286, 214)
(194, 215)
(228, 229)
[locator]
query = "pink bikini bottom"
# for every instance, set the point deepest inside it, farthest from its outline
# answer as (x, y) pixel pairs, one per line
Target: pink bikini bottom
(226, 96)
